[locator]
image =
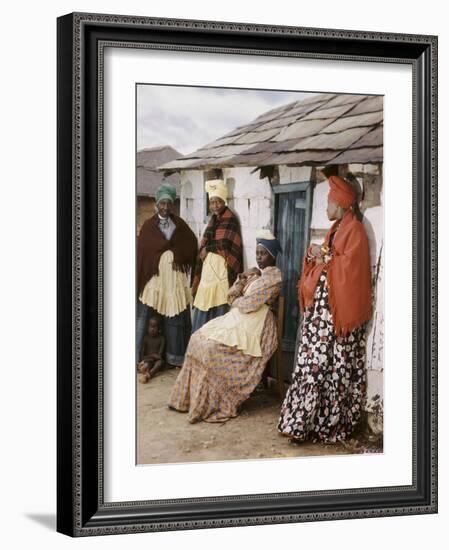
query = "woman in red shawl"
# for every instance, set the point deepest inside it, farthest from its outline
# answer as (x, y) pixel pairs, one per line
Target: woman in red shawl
(325, 399)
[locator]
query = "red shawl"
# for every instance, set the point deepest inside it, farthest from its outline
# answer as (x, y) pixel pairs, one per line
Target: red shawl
(222, 236)
(152, 243)
(348, 276)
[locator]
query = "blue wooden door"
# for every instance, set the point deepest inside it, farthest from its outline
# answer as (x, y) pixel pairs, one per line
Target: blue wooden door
(292, 219)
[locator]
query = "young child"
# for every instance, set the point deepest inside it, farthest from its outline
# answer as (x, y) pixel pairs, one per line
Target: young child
(244, 280)
(151, 352)
(249, 276)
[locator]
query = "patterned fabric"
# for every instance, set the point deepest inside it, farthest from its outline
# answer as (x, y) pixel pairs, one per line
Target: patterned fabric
(216, 379)
(328, 389)
(222, 236)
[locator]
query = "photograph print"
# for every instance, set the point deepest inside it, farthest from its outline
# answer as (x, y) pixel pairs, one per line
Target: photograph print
(259, 274)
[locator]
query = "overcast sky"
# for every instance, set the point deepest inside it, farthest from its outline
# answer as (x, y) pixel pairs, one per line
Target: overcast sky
(189, 117)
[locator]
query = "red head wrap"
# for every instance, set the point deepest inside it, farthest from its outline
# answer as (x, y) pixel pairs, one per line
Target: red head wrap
(341, 192)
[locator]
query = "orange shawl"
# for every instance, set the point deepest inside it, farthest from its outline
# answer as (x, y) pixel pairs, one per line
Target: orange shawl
(348, 276)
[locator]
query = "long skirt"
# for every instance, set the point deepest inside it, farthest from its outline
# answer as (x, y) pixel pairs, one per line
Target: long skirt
(325, 399)
(177, 331)
(216, 379)
(200, 317)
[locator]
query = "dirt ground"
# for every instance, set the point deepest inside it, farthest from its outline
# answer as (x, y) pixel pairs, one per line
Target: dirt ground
(166, 436)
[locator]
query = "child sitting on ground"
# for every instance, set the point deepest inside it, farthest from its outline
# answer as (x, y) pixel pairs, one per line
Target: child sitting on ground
(151, 352)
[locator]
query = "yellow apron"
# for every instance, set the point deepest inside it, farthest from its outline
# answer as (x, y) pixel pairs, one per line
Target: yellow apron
(235, 328)
(168, 292)
(213, 288)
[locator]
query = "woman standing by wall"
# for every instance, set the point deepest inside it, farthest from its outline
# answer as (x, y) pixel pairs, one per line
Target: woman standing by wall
(220, 258)
(325, 399)
(166, 254)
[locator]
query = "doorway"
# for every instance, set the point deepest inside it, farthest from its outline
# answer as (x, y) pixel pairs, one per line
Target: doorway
(292, 228)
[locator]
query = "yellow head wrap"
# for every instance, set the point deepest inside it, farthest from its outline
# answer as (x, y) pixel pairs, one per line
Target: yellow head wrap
(217, 188)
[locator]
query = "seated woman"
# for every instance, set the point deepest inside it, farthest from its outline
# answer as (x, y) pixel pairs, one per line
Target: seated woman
(226, 357)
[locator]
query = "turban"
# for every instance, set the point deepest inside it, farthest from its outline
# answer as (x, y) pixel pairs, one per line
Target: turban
(166, 192)
(266, 238)
(217, 188)
(341, 192)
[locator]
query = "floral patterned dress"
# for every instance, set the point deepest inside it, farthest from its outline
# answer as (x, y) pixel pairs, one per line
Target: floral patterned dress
(327, 393)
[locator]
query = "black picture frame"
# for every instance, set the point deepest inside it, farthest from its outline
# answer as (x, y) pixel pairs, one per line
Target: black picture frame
(81, 510)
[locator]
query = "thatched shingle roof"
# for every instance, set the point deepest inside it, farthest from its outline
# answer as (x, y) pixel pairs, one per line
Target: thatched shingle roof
(148, 177)
(323, 129)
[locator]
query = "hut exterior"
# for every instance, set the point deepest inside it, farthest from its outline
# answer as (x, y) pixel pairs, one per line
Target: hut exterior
(149, 179)
(273, 168)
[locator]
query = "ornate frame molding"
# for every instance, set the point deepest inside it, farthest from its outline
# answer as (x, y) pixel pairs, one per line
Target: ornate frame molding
(81, 42)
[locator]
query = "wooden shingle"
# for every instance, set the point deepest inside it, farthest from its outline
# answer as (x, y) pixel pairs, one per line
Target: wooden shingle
(319, 129)
(302, 129)
(356, 121)
(339, 140)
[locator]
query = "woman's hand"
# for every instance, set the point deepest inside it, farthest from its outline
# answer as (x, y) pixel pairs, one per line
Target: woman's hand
(241, 278)
(315, 250)
(236, 290)
(239, 285)
(251, 272)
(246, 275)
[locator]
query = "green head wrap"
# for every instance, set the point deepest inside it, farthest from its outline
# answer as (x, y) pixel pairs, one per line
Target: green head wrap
(166, 192)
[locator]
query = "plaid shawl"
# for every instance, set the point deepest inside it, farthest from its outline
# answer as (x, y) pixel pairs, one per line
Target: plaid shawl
(222, 236)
